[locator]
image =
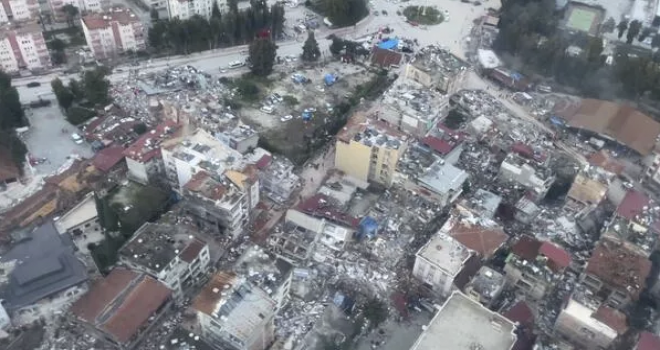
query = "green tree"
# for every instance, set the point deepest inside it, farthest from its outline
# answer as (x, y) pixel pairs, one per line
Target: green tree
(277, 21)
(57, 47)
(311, 51)
(633, 31)
(375, 311)
(344, 13)
(96, 87)
(11, 110)
(621, 27)
(62, 94)
(646, 32)
(655, 42)
(336, 46)
(262, 56)
(71, 12)
(215, 11)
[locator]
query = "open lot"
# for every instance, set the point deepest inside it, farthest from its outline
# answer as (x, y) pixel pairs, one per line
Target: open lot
(50, 137)
(584, 18)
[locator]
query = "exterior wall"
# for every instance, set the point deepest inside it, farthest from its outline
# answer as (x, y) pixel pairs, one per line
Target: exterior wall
(23, 50)
(137, 171)
(413, 73)
(82, 5)
(382, 164)
(115, 38)
(529, 286)
(525, 176)
(353, 159)
(219, 220)
(618, 299)
(8, 61)
(651, 174)
(218, 336)
(47, 307)
(21, 10)
(581, 334)
(433, 276)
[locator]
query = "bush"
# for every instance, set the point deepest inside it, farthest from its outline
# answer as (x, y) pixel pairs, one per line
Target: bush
(290, 100)
(248, 90)
(78, 115)
(426, 15)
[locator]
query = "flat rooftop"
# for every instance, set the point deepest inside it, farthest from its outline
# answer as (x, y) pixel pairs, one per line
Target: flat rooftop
(154, 245)
(84, 211)
(215, 188)
(148, 145)
(263, 269)
(443, 177)
(464, 324)
(122, 16)
(203, 150)
(438, 62)
(445, 252)
(371, 133)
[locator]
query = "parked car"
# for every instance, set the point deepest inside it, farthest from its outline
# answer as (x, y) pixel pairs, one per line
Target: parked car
(286, 118)
(77, 138)
(33, 84)
(267, 109)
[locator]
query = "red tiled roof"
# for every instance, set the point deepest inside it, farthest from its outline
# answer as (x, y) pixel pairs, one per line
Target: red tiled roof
(558, 258)
(91, 305)
(528, 152)
(619, 267)
(526, 248)
(192, 250)
(612, 318)
(210, 295)
(520, 314)
(148, 145)
(385, 58)
(482, 240)
(439, 145)
(603, 160)
(121, 303)
(108, 157)
(632, 204)
(136, 309)
(323, 206)
(102, 20)
(648, 341)
(264, 162)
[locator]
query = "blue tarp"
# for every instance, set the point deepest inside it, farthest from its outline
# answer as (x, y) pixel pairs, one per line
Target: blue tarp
(557, 120)
(516, 76)
(307, 115)
(368, 227)
(388, 44)
(330, 79)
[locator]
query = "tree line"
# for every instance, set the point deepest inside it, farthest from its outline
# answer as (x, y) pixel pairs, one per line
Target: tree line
(530, 38)
(12, 116)
(234, 27)
(80, 98)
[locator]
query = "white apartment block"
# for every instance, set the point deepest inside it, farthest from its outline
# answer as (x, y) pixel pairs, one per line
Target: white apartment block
(22, 46)
(184, 9)
(84, 6)
(113, 32)
(18, 10)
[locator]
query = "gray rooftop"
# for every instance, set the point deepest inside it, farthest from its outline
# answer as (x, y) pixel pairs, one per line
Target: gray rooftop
(40, 265)
(464, 324)
(263, 269)
(487, 282)
(443, 177)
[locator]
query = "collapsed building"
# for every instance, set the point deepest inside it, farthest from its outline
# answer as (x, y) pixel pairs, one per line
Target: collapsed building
(528, 174)
(436, 68)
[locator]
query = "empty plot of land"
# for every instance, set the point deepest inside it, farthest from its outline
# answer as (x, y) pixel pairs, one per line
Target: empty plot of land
(583, 18)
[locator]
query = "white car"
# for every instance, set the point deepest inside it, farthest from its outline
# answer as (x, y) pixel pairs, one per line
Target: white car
(267, 109)
(77, 139)
(286, 117)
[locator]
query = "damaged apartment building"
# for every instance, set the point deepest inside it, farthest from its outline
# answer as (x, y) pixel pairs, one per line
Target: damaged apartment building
(143, 157)
(234, 314)
(438, 69)
(218, 186)
(317, 227)
(277, 180)
(172, 254)
(535, 176)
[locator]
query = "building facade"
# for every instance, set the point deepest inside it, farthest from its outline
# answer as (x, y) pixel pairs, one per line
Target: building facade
(22, 46)
(590, 327)
(113, 32)
(84, 6)
(18, 10)
(369, 153)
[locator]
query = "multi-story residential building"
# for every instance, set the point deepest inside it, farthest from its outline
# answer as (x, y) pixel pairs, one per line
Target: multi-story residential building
(635, 224)
(276, 177)
(234, 314)
(22, 46)
(143, 157)
(462, 323)
(589, 325)
(123, 307)
(84, 6)
(268, 272)
(369, 151)
(442, 182)
(242, 138)
(183, 9)
(534, 267)
(170, 253)
(82, 224)
(616, 274)
(535, 177)
(437, 69)
(113, 32)
(199, 152)
(444, 265)
(486, 286)
(18, 10)
(217, 205)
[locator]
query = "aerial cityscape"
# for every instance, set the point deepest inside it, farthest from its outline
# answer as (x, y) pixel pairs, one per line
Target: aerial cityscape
(329, 175)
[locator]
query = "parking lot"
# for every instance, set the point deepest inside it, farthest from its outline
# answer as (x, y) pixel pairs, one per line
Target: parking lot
(49, 137)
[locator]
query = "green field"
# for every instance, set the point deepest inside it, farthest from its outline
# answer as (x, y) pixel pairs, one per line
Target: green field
(581, 19)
